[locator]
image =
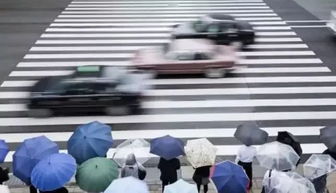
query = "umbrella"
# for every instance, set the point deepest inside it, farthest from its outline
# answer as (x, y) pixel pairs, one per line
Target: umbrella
(29, 153)
(96, 174)
(229, 177)
(167, 147)
(287, 138)
(90, 140)
(139, 147)
(328, 136)
(251, 134)
(180, 186)
(127, 185)
(276, 155)
(200, 152)
(4, 149)
(318, 165)
(288, 182)
(4, 189)
(60, 169)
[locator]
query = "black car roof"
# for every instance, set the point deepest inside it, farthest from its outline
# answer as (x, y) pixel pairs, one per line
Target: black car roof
(218, 16)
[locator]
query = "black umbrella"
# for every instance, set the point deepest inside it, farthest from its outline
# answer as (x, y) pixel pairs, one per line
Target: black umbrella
(328, 137)
(251, 134)
(287, 138)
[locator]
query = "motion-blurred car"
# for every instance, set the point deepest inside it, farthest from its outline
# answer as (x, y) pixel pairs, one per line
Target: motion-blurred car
(88, 89)
(223, 29)
(187, 56)
(332, 23)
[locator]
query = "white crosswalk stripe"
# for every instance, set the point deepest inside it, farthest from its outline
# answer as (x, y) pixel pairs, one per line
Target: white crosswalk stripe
(278, 81)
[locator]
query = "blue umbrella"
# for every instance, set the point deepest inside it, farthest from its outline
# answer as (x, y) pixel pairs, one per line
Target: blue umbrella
(167, 147)
(90, 140)
(229, 177)
(4, 149)
(53, 172)
(30, 152)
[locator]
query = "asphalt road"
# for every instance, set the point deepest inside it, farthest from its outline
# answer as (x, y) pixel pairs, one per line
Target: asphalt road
(292, 91)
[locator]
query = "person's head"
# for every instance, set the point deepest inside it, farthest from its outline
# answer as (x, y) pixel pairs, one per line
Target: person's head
(130, 160)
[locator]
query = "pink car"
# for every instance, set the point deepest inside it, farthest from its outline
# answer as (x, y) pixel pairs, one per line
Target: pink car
(187, 56)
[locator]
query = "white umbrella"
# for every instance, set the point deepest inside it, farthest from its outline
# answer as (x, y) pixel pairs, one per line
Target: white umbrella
(4, 189)
(200, 152)
(127, 185)
(288, 182)
(276, 155)
(318, 165)
(180, 186)
(139, 147)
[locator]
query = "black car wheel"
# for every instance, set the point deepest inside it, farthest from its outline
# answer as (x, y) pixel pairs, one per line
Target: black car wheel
(40, 113)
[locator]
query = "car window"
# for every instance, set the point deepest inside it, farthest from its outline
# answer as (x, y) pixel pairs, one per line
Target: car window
(199, 26)
(185, 56)
(213, 28)
(228, 27)
(203, 56)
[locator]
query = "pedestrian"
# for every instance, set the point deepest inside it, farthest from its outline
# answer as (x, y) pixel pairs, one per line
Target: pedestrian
(201, 177)
(245, 158)
(4, 175)
(32, 189)
(168, 169)
(59, 190)
(133, 168)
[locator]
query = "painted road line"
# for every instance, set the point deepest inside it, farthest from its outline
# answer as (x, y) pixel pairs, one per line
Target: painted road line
(200, 81)
(152, 24)
(151, 134)
(238, 70)
(222, 150)
(158, 13)
(164, 8)
(130, 55)
(172, 118)
(211, 91)
(167, 5)
(145, 41)
(309, 26)
(211, 104)
(170, 2)
(276, 46)
(281, 61)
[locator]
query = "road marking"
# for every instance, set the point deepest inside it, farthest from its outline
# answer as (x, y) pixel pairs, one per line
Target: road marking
(160, 2)
(211, 104)
(275, 46)
(180, 5)
(89, 48)
(145, 41)
(308, 26)
(210, 92)
(166, 8)
(222, 150)
(172, 118)
(173, 12)
(130, 55)
(197, 81)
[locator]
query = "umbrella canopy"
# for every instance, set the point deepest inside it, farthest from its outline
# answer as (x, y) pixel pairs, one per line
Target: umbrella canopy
(4, 189)
(318, 165)
(328, 136)
(138, 147)
(90, 140)
(276, 155)
(96, 174)
(127, 185)
(53, 172)
(286, 137)
(180, 186)
(229, 177)
(251, 134)
(4, 149)
(288, 182)
(167, 147)
(29, 153)
(200, 152)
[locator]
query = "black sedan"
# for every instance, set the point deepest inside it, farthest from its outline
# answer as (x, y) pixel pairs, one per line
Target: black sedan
(112, 90)
(223, 29)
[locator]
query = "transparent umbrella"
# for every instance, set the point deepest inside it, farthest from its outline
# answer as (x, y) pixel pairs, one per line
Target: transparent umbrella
(318, 165)
(276, 155)
(139, 147)
(288, 182)
(200, 152)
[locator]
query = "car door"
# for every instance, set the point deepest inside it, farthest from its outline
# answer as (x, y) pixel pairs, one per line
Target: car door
(229, 32)
(212, 31)
(78, 94)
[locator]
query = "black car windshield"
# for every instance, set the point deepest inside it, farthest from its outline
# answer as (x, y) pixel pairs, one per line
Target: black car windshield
(199, 26)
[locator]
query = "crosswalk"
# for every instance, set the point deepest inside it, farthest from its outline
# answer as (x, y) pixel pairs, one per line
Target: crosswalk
(279, 82)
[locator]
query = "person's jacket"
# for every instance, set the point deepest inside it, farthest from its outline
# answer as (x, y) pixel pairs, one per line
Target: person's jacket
(201, 172)
(168, 168)
(4, 175)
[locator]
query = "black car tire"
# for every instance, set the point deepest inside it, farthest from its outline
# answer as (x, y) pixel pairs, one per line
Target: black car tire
(40, 113)
(215, 72)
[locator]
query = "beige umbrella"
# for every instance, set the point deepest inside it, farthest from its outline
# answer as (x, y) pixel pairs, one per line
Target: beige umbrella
(4, 189)
(200, 152)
